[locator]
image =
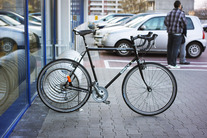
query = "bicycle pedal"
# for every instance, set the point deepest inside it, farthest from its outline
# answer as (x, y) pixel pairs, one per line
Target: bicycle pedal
(106, 102)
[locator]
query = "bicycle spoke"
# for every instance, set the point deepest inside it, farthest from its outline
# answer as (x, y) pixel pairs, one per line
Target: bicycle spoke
(57, 92)
(161, 94)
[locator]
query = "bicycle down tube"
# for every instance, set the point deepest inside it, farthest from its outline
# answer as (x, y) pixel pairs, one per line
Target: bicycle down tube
(88, 49)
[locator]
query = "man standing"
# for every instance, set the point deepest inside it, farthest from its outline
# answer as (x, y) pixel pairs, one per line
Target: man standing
(183, 46)
(175, 22)
(183, 51)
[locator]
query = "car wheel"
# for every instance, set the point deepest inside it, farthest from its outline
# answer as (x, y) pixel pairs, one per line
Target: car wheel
(194, 50)
(7, 46)
(123, 44)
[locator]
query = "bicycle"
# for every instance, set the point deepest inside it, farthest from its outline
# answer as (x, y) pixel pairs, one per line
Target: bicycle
(148, 88)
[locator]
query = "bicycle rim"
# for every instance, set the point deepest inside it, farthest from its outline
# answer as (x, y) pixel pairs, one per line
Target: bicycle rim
(163, 89)
(52, 88)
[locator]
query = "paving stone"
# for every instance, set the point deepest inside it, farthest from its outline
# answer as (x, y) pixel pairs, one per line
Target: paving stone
(186, 118)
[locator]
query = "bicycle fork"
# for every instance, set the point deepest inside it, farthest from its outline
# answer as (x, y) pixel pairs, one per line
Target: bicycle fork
(141, 67)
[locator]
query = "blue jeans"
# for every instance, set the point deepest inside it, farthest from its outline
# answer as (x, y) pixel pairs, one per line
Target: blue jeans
(174, 43)
(182, 53)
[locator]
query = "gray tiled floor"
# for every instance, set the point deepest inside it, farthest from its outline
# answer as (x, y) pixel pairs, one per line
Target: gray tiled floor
(186, 118)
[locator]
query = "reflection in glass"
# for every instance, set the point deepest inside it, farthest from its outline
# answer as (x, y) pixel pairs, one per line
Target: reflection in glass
(13, 77)
(13, 63)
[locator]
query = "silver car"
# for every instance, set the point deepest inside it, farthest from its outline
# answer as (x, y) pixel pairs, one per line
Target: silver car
(120, 36)
(12, 38)
(92, 25)
(35, 29)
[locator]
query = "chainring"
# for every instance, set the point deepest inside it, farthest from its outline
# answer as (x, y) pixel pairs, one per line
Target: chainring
(102, 97)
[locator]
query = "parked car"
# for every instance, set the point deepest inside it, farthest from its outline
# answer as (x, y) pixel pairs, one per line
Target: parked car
(36, 14)
(35, 19)
(112, 22)
(91, 25)
(35, 29)
(204, 27)
(120, 37)
(100, 33)
(18, 17)
(12, 38)
(131, 18)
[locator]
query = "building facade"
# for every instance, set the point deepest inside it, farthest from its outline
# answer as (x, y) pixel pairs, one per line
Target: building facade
(103, 7)
(164, 6)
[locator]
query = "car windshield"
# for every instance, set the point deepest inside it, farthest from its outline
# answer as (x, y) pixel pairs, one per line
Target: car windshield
(12, 21)
(106, 18)
(120, 19)
(134, 23)
(36, 19)
(2, 23)
(111, 20)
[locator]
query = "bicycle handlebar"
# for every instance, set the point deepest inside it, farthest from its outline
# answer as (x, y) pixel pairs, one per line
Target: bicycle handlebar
(141, 36)
(147, 38)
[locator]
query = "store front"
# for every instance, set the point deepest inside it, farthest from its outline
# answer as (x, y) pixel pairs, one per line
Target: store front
(29, 45)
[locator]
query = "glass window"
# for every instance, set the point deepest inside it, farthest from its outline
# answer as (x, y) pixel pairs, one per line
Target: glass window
(15, 17)
(14, 98)
(76, 11)
(190, 25)
(13, 77)
(156, 23)
(9, 20)
(134, 23)
(2, 23)
(108, 18)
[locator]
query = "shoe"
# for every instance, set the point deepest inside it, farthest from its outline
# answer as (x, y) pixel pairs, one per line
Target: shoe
(173, 67)
(186, 63)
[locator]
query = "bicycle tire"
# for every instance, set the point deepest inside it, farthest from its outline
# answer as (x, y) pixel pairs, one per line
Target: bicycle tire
(5, 85)
(59, 95)
(163, 85)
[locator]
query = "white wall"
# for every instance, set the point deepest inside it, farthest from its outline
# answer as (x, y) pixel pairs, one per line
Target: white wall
(63, 25)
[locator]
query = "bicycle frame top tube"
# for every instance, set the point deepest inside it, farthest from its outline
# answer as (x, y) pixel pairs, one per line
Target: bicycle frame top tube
(88, 49)
(147, 38)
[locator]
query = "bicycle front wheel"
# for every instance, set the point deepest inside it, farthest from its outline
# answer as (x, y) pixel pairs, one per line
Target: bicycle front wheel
(153, 100)
(57, 92)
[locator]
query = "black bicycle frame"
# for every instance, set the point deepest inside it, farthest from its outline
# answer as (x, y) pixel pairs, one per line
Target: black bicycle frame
(136, 58)
(88, 49)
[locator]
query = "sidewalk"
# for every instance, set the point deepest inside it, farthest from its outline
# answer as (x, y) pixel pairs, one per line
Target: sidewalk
(186, 118)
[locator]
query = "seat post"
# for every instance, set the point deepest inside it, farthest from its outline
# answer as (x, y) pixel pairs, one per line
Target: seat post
(84, 40)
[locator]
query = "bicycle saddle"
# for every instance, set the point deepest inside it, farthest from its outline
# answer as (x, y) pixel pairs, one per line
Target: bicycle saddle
(84, 32)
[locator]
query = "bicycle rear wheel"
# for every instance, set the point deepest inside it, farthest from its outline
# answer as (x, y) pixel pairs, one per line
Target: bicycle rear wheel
(161, 95)
(56, 92)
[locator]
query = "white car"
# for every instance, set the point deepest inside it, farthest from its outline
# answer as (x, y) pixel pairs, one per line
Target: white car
(204, 27)
(32, 29)
(100, 33)
(12, 38)
(92, 25)
(111, 22)
(120, 36)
